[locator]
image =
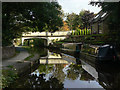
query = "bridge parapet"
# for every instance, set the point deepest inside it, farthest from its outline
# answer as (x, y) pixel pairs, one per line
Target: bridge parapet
(57, 33)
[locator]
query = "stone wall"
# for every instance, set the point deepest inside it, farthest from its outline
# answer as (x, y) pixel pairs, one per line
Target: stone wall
(8, 52)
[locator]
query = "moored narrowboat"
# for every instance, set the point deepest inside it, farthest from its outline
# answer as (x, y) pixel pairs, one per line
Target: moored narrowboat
(98, 53)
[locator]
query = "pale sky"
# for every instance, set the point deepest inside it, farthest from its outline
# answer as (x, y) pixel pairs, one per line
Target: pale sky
(69, 6)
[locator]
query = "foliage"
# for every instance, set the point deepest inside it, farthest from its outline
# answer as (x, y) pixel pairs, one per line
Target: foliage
(38, 42)
(8, 77)
(33, 50)
(86, 17)
(58, 73)
(72, 21)
(29, 57)
(65, 27)
(79, 21)
(18, 17)
(45, 69)
(82, 32)
(95, 39)
(35, 42)
(74, 71)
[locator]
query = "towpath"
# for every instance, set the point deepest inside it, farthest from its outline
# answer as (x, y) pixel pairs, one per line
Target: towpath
(18, 58)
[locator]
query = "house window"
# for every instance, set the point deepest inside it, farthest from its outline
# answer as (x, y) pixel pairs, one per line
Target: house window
(100, 28)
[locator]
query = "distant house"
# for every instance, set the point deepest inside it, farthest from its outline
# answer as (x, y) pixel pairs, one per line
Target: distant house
(99, 23)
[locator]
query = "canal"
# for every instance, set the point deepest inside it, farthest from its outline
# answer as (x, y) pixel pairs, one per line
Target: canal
(60, 70)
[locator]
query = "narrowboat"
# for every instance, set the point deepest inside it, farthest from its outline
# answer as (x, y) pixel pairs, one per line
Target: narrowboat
(98, 53)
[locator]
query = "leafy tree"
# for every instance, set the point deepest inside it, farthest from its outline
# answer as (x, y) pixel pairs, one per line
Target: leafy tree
(58, 73)
(74, 71)
(86, 16)
(72, 20)
(65, 27)
(18, 17)
(79, 21)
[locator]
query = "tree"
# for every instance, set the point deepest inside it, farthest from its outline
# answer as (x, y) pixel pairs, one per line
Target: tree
(72, 21)
(21, 17)
(79, 21)
(65, 27)
(85, 17)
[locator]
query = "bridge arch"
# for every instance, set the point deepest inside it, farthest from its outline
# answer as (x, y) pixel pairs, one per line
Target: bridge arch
(59, 35)
(29, 38)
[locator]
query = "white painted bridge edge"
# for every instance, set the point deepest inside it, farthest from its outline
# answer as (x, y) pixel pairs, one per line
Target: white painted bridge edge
(46, 35)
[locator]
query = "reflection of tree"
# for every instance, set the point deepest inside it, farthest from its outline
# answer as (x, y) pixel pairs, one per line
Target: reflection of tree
(74, 71)
(55, 83)
(38, 81)
(41, 51)
(58, 73)
(86, 76)
(45, 68)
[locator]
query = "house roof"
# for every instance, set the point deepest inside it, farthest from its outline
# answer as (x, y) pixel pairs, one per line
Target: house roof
(99, 17)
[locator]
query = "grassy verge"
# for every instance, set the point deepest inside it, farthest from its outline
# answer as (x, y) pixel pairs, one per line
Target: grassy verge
(30, 51)
(29, 57)
(8, 76)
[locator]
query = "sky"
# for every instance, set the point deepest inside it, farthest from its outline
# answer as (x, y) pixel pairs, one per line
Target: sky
(69, 6)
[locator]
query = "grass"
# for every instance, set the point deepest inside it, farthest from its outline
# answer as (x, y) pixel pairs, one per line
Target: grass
(20, 61)
(8, 77)
(30, 50)
(60, 42)
(10, 66)
(96, 39)
(29, 57)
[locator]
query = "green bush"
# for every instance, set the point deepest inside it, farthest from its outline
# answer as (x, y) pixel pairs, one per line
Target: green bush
(82, 32)
(8, 77)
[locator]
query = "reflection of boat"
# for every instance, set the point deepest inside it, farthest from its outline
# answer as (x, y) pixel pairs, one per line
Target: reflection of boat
(68, 58)
(100, 53)
(71, 48)
(109, 75)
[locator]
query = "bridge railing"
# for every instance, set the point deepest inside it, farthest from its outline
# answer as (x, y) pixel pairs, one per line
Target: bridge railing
(57, 33)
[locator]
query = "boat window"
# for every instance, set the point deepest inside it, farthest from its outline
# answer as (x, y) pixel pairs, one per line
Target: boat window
(103, 51)
(88, 49)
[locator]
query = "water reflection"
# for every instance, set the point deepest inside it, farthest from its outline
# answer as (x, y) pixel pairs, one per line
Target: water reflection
(109, 75)
(59, 70)
(54, 58)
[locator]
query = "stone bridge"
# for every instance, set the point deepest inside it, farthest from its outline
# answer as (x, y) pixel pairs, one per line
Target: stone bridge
(58, 35)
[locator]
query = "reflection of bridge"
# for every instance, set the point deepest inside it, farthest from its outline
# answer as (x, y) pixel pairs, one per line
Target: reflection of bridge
(53, 61)
(58, 35)
(54, 58)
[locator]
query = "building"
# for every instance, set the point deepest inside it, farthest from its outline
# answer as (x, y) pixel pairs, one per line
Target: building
(99, 24)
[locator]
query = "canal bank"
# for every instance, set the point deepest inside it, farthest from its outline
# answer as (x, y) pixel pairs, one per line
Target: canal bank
(56, 71)
(60, 70)
(18, 65)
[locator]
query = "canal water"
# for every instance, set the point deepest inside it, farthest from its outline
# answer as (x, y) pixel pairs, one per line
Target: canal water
(60, 70)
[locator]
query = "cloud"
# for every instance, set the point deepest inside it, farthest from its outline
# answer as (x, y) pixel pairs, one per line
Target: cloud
(76, 6)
